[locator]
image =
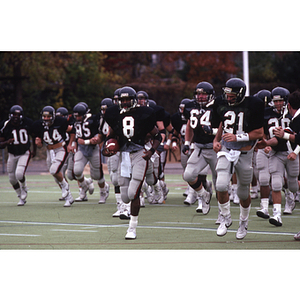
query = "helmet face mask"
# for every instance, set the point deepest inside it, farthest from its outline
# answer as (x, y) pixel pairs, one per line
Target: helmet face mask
(234, 91)
(48, 115)
(105, 103)
(204, 93)
(16, 114)
(142, 98)
(127, 98)
(79, 112)
(279, 96)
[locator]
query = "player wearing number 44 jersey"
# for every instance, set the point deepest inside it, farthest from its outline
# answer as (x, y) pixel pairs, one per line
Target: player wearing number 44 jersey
(241, 125)
(51, 131)
(14, 134)
(131, 124)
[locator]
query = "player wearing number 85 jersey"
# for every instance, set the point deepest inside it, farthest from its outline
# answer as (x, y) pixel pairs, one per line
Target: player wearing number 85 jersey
(14, 133)
(241, 121)
(131, 124)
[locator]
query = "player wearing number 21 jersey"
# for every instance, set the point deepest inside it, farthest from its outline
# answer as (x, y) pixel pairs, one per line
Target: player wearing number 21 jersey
(241, 125)
(131, 124)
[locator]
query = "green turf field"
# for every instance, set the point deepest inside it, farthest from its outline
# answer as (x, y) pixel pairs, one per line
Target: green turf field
(43, 223)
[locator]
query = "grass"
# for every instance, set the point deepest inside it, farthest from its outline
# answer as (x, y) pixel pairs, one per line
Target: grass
(44, 224)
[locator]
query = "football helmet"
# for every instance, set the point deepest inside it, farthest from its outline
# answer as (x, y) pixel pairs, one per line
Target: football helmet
(142, 98)
(234, 91)
(86, 106)
(182, 104)
(62, 112)
(16, 114)
(79, 111)
(151, 103)
(127, 98)
(105, 103)
(279, 98)
(48, 115)
(264, 95)
(204, 93)
(116, 96)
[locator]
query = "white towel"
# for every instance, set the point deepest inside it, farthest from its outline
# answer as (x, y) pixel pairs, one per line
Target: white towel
(126, 165)
(232, 155)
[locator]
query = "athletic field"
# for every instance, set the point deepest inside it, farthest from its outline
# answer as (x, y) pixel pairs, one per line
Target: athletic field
(43, 223)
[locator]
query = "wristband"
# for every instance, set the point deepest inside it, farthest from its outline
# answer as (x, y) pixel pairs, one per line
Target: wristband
(87, 142)
(168, 143)
(174, 144)
(297, 150)
(152, 150)
(214, 131)
(188, 143)
(244, 137)
(286, 136)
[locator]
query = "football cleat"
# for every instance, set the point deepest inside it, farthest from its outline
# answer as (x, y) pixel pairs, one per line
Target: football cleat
(276, 220)
(21, 202)
(263, 213)
(226, 222)
(104, 193)
(64, 189)
(69, 200)
(206, 202)
(242, 230)
(297, 236)
(131, 234)
(199, 207)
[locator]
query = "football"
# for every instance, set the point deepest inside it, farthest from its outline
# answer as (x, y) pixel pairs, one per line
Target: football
(111, 147)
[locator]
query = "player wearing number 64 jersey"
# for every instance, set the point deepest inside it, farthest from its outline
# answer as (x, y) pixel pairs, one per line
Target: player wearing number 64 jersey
(15, 134)
(241, 121)
(131, 124)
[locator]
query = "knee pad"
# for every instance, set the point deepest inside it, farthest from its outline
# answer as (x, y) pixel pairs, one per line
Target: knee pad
(264, 178)
(12, 179)
(222, 182)
(124, 194)
(70, 175)
(114, 178)
(134, 188)
(20, 173)
(101, 180)
(189, 175)
(293, 184)
(243, 191)
(277, 182)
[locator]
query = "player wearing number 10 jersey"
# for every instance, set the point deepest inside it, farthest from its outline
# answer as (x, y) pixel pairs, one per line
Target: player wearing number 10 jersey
(14, 133)
(131, 124)
(241, 125)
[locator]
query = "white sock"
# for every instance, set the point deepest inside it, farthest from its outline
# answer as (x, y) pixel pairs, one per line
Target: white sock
(264, 203)
(133, 221)
(201, 192)
(225, 208)
(244, 212)
(276, 209)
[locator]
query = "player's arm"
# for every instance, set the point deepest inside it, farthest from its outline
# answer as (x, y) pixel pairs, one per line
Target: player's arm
(4, 143)
(170, 130)
(157, 138)
(216, 142)
(253, 135)
(189, 133)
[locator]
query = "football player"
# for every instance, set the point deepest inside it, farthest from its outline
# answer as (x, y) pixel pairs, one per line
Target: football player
(241, 125)
(51, 131)
(15, 135)
(283, 154)
(201, 128)
(88, 137)
(130, 124)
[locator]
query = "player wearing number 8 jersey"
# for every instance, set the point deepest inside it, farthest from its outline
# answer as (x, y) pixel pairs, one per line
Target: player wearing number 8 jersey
(15, 134)
(241, 125)
(131, 124)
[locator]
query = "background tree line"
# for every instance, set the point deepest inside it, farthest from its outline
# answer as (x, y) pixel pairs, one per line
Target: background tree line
(36, 79)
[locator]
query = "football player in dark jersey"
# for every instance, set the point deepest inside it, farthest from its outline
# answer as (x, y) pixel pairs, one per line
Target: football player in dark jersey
(241, 125)
(283, 155)
(15, 135)
(201, 128)
(88, 138)
(51, 131)
(130, 124)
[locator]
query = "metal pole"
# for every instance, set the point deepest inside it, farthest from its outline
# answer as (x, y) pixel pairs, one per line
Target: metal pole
(246, 71)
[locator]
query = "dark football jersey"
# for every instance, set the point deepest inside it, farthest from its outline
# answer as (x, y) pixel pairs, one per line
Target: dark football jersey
(88, 128)
(167, 119)
(274, 119)
(200, 117)
(131, 126)
(295, 126)
(179, 123)
(242, 118)
(20, 134)
(159, 112)
(54, 134)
